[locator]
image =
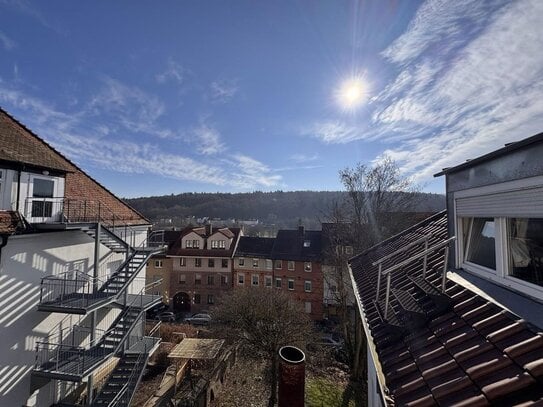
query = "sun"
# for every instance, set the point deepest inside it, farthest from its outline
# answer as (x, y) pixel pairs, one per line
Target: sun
(352, 93)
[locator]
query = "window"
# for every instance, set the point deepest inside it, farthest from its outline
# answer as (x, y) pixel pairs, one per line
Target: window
(255, 263)
(224, 280)
(214, 244)
(197, 279)
(210, 280)
(278, 264)
(195, 244)
(290, 265)
(158, 264)
(197, 298)
(480, 242)
(307, 307)
(224, 263)
(222, 244)
(269, 264)
(277, 283)
(525, 242)
(182, 278)
(42, 188)
(290, 284)
(241, 262)
(210, 298)
(197, 262)
(188, 244)
(349, 250)
(241, 279)
(268, 281)
(255, 279)
(182, 262)
(210, 262)
(307, 243)
(307, 266)
(307, 286)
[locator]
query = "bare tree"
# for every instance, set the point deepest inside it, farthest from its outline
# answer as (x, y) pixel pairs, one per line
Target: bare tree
(375, 194)
(378, 203)
(265, 320)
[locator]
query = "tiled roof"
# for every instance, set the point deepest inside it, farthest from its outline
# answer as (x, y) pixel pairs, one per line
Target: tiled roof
(255, 246)
(289, 245)
(9, 222)
(176, 248)
(20, 145)
(461, 350)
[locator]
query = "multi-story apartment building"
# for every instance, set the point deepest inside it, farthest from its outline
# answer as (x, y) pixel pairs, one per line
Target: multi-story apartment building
(291, 262)
(253, 264)
(201, 266)
(72, 301)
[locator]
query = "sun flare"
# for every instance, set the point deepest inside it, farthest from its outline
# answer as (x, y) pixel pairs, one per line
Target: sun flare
(352, 93)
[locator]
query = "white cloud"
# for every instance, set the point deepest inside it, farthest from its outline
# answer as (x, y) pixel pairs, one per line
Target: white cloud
(174, 72)
(208, 140)
(6, 41)
(223, 90)
(440, 25)
(90, 142)
(475, 99)
(304, 158)
(334, 132)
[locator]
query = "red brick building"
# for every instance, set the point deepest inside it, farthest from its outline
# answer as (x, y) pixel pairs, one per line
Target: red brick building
(290, 262)
(201, 267)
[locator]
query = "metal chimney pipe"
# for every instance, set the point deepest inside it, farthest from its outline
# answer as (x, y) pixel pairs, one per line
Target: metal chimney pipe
(291, 377)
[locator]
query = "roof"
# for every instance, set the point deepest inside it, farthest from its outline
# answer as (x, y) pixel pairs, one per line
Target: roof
(10, 221)
(19, 145)
(509, 148)
(176, 248)
(291, 245)
(461, 350)
(255, 246)
(192, 348)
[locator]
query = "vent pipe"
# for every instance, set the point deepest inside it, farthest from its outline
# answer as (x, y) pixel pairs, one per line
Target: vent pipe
(291, 377)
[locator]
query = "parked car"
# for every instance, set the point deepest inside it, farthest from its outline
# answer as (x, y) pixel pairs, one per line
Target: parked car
(167, 317)
(155, 311)
(199, 319)
(330, 340)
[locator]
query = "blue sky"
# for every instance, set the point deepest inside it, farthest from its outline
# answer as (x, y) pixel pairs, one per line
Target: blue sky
(155, 98)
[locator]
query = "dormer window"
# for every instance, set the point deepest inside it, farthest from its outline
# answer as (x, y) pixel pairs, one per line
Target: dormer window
(307, 243)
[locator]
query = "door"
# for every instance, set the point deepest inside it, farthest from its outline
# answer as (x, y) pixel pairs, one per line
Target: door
(44, 203)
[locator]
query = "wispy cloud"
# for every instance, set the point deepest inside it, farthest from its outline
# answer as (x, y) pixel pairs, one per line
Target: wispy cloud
(304, 158)
(223, 90)
(90, 142)
(174, 72)
(24, 7)
(6, 41)
(207, 140)
(334, 132)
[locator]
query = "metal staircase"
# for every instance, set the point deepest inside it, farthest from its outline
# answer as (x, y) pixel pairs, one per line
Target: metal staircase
(75, 355)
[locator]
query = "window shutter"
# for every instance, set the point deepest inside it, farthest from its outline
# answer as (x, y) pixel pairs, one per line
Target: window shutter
(522, 203)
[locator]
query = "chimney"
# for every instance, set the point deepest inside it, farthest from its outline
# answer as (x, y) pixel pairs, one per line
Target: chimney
(300, 229)
(209, 229)
(291, 377)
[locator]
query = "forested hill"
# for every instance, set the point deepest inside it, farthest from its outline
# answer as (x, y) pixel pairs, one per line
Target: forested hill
(265, 206)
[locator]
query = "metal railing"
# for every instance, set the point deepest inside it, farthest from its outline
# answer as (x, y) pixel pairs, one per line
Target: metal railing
(66, 286)
(76, 358)
(421, 255)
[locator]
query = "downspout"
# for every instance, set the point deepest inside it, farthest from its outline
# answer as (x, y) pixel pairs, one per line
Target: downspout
(18, 190)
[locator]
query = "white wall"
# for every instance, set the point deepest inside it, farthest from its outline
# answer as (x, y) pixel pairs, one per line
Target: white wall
(374, 397)
(24, 261)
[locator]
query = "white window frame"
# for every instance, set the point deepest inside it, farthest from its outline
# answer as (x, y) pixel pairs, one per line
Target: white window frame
(278, 263)
(214, 244)
(255, 263)
(307, 283)
(290, 280)
(289, 264)
(278, 280)
(222, 244)
(501, 275)
(241, 262)
(182, 262)
(268, 281)
(158, 264)
(188, 244)
(269, 264)
(241, 278)
(308, 266)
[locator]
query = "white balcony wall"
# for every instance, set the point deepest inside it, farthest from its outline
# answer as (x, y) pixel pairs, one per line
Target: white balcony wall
(24, 261)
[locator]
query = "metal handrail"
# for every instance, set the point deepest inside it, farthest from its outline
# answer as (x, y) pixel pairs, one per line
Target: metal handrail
(402, 249)
(424, 255)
